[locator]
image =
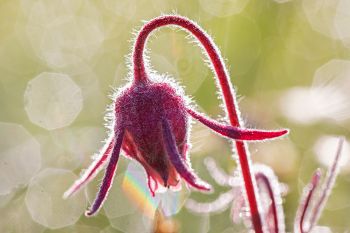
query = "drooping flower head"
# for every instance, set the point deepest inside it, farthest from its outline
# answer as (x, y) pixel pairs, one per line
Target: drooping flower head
(151, 123)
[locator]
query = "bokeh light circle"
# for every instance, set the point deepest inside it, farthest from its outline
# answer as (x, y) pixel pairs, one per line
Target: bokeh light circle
(52, 100)
(45, 203)
(63, 32)
(20, 157)
(223, 8)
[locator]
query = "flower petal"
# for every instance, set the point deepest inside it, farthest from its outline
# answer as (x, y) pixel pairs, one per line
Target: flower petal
(235, 132)
(109, 175)
(92, 171)
(178, 161)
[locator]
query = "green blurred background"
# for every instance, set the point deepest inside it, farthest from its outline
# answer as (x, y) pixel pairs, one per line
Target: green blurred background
(59, 60)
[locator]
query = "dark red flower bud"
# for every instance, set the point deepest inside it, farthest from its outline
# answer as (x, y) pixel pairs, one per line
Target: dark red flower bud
(151, 125)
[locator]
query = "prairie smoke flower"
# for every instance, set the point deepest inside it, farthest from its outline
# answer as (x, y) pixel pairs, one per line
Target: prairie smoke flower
(151, 122)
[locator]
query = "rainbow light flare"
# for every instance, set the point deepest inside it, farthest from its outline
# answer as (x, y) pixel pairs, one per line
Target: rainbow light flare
(136, 189)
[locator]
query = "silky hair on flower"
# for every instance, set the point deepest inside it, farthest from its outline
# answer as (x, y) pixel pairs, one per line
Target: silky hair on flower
(151, 125)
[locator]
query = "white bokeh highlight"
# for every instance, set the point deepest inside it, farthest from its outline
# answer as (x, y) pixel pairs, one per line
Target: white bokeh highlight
(63, 32)
(133, 223)
(52, 100)
(223, 8)
(45, 203)
(4, 199)
(118, 204)
(330, 18)
(282, 1)
(321, 229)
(282, 157)
(71, 147)
(124, 214)
(306, 106)
(325, 150)
(20, 157)
(320, 15)
(326, 100)
(77, 228)
(16, 218)
(125, 9)
(342, 22)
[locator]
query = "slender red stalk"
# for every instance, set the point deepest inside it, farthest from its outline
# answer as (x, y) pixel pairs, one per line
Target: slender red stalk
(140, 75)
(305, 203)
(327, 186)
(261, 178)
(314, 205)
(265, 177)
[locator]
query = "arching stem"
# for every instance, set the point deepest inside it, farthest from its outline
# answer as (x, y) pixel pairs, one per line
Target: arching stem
(140, 76)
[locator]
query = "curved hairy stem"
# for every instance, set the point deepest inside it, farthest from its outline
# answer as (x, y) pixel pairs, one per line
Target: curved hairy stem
(140, 76)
